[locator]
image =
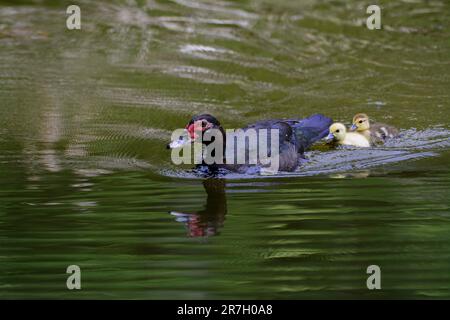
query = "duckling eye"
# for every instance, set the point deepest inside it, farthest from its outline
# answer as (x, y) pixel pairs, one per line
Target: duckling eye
(361, 121)
(337, 131)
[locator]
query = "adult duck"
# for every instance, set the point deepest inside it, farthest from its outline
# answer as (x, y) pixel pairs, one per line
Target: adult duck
(294, 137)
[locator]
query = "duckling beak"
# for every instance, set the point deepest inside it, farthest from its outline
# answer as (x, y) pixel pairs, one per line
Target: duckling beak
(329, 137)
(179, 143)
(353, 127)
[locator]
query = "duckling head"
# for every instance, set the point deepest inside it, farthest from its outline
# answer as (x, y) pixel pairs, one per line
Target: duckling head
(360, 122)
(337, 132)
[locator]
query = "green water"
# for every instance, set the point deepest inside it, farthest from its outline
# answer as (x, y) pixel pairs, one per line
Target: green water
(85, 178)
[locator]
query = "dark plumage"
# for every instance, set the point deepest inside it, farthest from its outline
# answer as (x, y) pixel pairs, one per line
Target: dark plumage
(294, 138)
(309, 130)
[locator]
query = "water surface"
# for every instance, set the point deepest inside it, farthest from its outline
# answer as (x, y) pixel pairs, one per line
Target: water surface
(86, 180)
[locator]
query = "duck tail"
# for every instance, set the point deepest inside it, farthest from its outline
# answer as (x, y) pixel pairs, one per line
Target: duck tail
(310, 130)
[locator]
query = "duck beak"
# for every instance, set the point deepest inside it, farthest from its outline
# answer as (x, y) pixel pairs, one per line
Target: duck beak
(329, 137)
(353, 127)
(180, 142)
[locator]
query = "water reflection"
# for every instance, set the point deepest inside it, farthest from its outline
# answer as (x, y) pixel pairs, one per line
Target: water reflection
(208, 221)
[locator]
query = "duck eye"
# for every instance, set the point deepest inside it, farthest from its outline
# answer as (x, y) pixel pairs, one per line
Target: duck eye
(337, 131)
(361, 121)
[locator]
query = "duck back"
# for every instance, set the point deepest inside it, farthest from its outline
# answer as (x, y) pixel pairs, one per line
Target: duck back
(288, 157)
(309, 130)
(295, 137)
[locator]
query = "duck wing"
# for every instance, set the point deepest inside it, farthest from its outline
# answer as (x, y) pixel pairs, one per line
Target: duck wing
(295, 136)
(309, 130)
(287, 146)
(284, 129)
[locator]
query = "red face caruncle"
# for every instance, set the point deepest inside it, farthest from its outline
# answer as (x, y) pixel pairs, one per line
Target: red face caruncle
(198, 126)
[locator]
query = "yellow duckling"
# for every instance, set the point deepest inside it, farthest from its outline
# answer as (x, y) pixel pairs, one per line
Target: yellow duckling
(339, 133)
(375, 132)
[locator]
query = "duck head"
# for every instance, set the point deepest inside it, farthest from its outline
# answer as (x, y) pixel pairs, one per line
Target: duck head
(195, 129)
(337, 132)
(360, 122)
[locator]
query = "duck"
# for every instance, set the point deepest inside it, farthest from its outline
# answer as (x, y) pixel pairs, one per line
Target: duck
(375, 132)
(294, 137)
(339, 134)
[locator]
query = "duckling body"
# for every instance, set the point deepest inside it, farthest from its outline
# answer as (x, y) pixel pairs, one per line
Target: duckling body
(355, 139)
(374, 132)
(339, 134)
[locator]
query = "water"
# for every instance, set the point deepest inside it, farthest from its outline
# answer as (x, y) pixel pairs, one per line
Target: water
(86, 180)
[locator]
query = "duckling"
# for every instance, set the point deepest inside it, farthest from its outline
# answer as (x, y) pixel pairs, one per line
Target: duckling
(375, 132)
(339, 133)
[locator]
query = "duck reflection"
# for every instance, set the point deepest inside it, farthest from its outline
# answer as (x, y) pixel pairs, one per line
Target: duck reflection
(210, 220)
